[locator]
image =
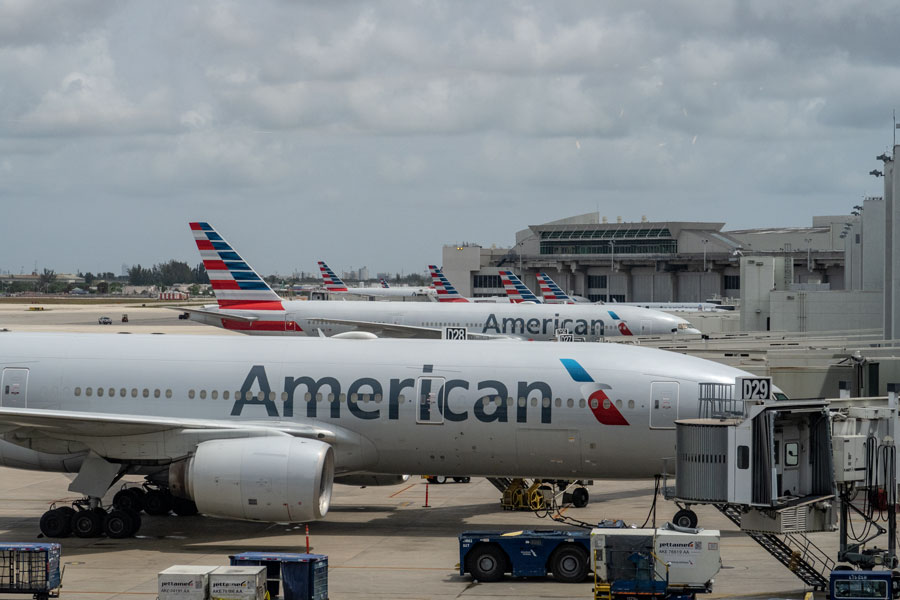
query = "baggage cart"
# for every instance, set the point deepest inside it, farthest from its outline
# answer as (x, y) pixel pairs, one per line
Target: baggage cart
(30, 569)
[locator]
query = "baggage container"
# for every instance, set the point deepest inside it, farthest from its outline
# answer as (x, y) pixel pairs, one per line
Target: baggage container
(691, 560)
(184, 582)
(304, 576)
(237, 583)
(30, 568)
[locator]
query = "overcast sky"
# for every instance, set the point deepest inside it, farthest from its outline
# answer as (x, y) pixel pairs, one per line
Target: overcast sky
(371, 134)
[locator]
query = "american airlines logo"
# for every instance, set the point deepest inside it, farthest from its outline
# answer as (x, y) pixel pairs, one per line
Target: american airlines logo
(546, 326)
(497, 402)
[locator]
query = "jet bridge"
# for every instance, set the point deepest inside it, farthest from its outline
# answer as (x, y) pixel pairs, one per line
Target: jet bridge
(781, 469)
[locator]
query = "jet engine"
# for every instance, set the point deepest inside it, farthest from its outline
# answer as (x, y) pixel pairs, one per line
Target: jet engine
(371, 479)
(258, 479)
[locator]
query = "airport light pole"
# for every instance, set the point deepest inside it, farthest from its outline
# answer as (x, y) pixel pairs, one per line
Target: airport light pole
(808, 254)
(612, 255)
(705, 242)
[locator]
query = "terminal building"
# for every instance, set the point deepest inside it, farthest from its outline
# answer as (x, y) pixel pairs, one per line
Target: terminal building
(649, 261)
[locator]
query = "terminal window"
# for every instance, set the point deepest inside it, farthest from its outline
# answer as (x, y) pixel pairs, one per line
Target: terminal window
(596, 281)
(732, 282)
(487, 281)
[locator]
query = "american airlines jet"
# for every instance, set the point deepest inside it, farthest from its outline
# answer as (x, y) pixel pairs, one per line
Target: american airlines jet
(336, 285)
(516, 290)
(247, 304)
(260, 428)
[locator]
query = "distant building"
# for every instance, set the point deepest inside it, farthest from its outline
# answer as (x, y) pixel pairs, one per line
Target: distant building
(646, 261)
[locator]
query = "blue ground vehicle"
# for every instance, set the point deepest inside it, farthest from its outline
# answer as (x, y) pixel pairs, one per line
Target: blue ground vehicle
(488, 555)
(864, 585)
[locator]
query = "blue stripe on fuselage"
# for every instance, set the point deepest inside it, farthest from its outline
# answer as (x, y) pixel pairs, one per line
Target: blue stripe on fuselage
(576, 370)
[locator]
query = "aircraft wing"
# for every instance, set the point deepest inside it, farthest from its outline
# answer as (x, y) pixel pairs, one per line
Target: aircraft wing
(216, 313)
(71, 424)
(404, 331)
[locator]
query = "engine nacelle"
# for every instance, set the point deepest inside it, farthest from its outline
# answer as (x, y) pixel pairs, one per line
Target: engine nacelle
(258, 479)
(371, 479)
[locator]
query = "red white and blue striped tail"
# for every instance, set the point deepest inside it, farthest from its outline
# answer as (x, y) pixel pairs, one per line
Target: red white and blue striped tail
(236, 285)
(384, 283)
(443, 288)
(515, 289)
(552, 293)
(333, 283)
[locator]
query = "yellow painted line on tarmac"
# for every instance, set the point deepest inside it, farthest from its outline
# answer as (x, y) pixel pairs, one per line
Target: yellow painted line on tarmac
(401, 491)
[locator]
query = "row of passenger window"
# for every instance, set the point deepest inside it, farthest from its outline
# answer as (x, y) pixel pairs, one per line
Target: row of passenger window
(354, 398)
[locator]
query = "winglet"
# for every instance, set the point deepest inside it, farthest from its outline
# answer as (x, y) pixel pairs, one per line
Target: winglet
(235, 284)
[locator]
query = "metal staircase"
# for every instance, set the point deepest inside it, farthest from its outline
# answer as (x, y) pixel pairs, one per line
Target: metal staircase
(795, 551)
(501, 483)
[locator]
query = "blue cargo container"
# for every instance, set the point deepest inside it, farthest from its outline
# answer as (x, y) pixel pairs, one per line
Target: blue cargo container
(30, 569)
(303, 576)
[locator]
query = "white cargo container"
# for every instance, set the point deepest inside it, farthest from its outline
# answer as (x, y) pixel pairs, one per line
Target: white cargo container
(184, 582)
(692, 558)
(237, 583)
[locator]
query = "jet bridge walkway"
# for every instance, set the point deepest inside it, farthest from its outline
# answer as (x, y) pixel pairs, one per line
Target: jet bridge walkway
(781, 469)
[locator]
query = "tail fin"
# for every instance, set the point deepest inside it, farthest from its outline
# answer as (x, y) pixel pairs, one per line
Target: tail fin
(551, 292)
(333, 283)
(235, 284)
(444, 289)
(384, 283)
(516, 290)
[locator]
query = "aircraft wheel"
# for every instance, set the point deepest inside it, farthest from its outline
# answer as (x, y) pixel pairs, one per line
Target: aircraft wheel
(462, 479)
(569, 564)
(487, 563)
(136, 523)
(685, 518)
(184, 507)
(157, 503)
(56, 523)
(119, 524)
(87, 523)
(440, 479)
(127, 499)
(580, 497)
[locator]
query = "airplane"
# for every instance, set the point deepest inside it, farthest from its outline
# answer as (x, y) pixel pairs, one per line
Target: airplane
(552, 292)
(516, 290)
(443, 288)
(335, 284)
(260, 429)
(247, 304)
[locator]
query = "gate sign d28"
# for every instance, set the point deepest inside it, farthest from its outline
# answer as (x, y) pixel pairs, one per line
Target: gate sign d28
(754, 388)
(454, 333)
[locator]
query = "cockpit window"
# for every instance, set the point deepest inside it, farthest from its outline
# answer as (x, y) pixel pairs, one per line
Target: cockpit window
(685, 325)
(780, 396)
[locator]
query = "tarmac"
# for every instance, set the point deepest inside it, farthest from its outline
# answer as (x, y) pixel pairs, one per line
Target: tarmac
(381, 542)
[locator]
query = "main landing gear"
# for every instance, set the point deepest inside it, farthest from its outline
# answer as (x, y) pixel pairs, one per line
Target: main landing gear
(86, 518)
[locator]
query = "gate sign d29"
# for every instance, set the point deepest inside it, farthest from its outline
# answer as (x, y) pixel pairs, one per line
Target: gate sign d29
(454, 333)
(754, 388)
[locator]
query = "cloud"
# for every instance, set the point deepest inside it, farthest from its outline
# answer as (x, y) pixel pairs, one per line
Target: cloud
(465, 116)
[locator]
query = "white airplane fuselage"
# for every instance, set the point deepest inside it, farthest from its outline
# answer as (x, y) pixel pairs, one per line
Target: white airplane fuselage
(573, 411)
(522, 321)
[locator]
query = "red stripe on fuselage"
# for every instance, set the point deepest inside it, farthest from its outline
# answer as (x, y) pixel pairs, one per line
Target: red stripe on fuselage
(251, 304)
(260, 325)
